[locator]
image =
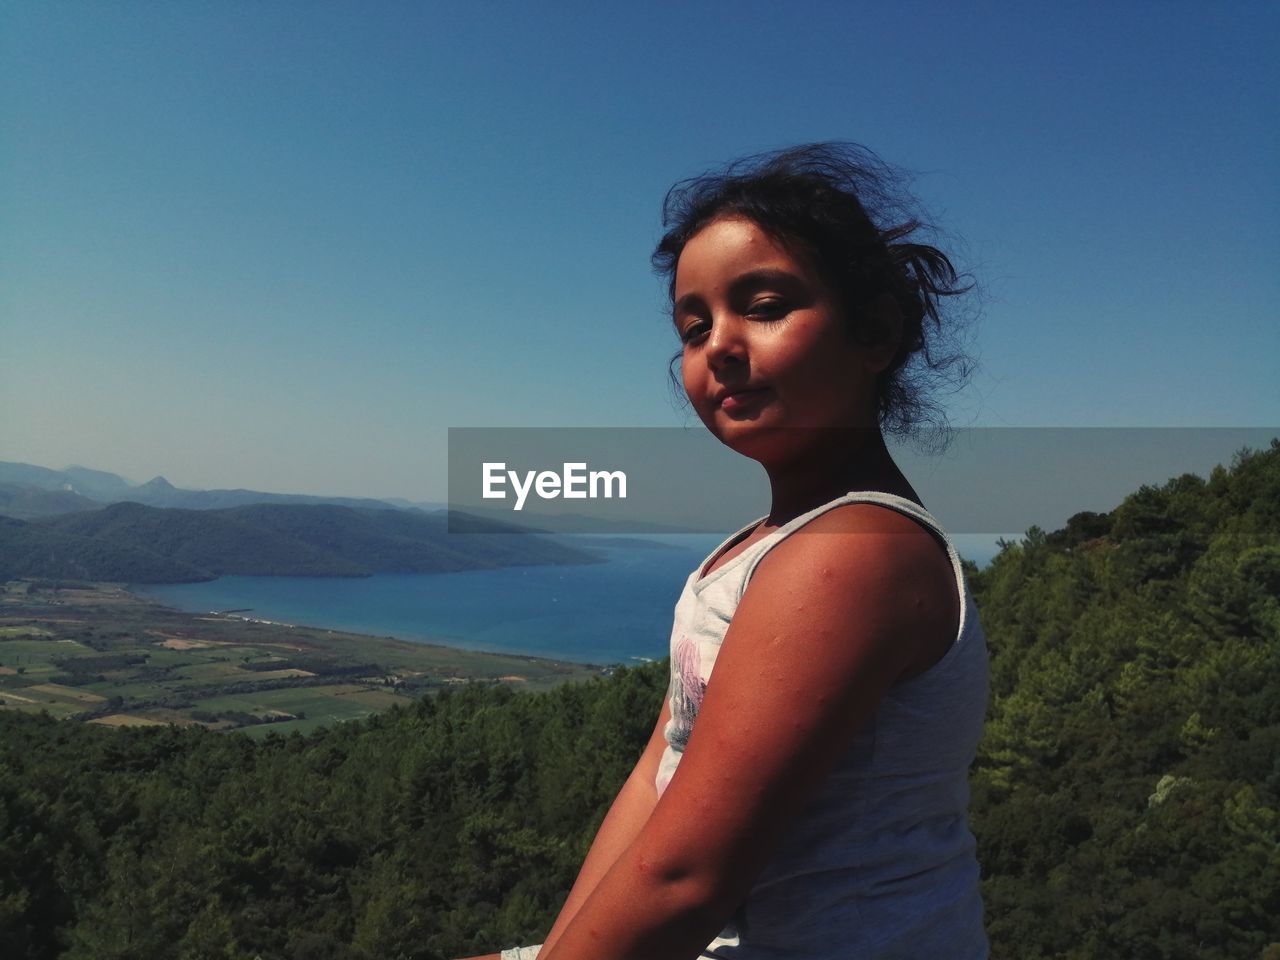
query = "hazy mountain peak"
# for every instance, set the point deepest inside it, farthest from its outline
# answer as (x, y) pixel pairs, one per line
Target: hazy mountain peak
(158, 492)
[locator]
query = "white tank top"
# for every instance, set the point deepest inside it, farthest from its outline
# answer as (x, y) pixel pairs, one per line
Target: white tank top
(881, 862)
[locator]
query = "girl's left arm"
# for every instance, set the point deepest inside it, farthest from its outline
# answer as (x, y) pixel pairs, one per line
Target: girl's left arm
(833, 616)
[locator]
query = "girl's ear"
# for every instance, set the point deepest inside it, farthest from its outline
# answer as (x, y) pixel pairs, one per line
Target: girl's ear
(885, 322)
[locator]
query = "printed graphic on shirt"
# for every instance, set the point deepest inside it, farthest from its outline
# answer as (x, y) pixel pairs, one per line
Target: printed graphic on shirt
(688, 689)
(685, 694)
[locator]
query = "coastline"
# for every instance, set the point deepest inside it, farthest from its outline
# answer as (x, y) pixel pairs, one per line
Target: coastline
(595, 614)
(100, 653)
(238, 615)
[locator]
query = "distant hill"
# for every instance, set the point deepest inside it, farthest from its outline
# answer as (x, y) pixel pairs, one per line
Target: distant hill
(429, 506)
(29, 473)
(131, 542)
(36, 552)
(24, 501)
(159, 492)
(97, 484)
(104, 487)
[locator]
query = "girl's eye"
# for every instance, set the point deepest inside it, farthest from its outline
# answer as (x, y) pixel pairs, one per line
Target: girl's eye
(768, 309)
(693, 330)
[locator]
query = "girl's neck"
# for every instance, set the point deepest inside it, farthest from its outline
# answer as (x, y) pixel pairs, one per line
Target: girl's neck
(856, 460)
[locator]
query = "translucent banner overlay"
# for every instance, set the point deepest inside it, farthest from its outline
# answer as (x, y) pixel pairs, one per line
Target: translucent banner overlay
(657, 480)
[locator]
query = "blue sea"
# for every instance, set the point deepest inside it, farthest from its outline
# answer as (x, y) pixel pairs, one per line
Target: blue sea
(618, 611)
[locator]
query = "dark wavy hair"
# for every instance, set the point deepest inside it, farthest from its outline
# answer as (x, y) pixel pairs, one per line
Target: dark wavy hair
(850, 215)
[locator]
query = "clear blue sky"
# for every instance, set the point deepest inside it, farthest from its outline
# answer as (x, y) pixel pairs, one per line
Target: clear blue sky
(287, 245)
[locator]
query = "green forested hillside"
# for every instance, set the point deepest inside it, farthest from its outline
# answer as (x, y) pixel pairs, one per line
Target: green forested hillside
(1128, 786)
(129, 542)
(31, 551)
(1125, 796)
(418, 832)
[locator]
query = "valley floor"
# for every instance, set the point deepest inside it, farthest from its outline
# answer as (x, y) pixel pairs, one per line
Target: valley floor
(97, 653)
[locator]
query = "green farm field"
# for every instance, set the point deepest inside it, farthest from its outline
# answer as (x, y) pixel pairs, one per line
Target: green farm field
(96, 653)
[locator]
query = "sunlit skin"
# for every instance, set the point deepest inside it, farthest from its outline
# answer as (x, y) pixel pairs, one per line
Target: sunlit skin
(858, 600)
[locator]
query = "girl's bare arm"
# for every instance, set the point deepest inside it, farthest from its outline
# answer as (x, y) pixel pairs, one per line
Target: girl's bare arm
(627, 815)
(833, 616)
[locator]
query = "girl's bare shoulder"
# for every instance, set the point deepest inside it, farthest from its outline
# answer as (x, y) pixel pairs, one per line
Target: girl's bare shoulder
(876, 563)
(859, 536)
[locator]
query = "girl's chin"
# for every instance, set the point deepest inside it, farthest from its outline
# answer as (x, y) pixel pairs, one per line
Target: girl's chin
(767, 441)
(756, 441)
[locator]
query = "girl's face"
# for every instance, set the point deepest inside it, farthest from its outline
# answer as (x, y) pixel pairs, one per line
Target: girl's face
(768, 360)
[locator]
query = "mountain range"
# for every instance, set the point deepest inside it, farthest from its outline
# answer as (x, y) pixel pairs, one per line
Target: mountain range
(93, 525)
(134, 543)
(28, 491)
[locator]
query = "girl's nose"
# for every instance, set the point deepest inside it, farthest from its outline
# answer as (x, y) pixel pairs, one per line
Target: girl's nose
(726, 342)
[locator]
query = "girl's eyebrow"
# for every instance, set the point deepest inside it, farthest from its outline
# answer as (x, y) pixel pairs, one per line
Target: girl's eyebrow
(764, 277)
(684, 303)
(751, 280)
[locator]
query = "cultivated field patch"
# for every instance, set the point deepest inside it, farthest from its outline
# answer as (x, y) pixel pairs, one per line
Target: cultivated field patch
(177, 643)
(16, 631)
(67, 693)
(127, 720)
(99, 654)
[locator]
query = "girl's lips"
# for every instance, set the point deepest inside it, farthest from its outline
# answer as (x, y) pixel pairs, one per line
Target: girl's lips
(737, 400)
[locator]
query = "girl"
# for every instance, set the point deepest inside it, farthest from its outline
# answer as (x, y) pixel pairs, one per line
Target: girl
(804, 793)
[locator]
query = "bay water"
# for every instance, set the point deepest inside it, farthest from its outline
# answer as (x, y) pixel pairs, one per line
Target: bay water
(618, 611)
